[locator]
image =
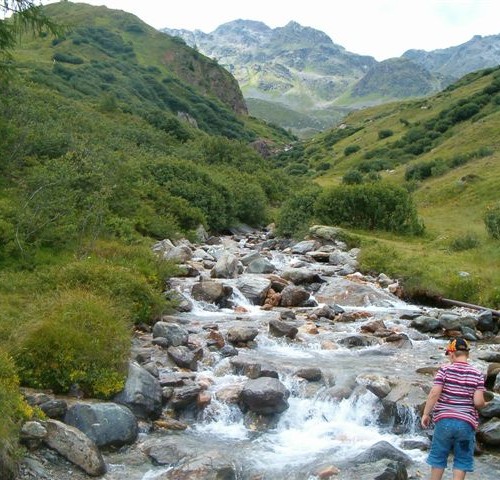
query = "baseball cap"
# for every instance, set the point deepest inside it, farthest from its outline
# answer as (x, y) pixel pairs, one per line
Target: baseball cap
(457, 345)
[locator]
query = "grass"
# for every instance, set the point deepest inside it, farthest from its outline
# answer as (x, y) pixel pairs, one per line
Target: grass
(452, 205)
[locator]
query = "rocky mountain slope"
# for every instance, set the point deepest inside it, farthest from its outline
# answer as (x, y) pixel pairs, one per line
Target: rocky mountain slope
(301, 69)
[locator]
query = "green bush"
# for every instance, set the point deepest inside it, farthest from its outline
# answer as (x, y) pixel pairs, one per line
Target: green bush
(13, 409)
(349, 150)
(492, 221)
(75, 337)
(369, 206)
(352, 177)
(385, 134)
(297, 213)
(467, 241)
(67, 58)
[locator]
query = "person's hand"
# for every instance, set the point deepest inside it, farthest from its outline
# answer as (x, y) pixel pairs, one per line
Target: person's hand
(426, 421)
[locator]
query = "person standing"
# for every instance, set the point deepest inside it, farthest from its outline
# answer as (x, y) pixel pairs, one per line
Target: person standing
(457, 393)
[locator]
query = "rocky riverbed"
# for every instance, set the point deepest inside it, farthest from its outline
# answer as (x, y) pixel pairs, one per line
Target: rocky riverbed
(282, 362)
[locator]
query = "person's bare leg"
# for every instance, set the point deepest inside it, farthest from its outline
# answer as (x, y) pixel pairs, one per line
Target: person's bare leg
(458, 474)
(437, 473)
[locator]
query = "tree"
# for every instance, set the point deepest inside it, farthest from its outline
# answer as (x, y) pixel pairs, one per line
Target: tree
(23, 16)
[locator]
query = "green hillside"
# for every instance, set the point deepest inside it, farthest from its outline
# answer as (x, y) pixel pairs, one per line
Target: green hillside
(446, 151)
(112, 137)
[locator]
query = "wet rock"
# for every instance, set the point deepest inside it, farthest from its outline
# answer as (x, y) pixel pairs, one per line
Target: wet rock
(353, 341)
(354, 293)
(229, 393)
(212, 465)
(242, 333)
(394, 471)
(278, 328)
(226, 267)
(260, 265)
(265, 395)
(486, 322)
(168, 423)
(489, 432)
(376, 384)
(426, 324)
(174, 334)
(311, 374)
(185, 396)
(211, 292)
(254, 287)
(327, 472)
(107, 424)
(247, 367)
(382, 450)
(184, 357)
(344, 259)
(492, 409)
(142, 393)
(301, 276)
(293, 296)
(75, 446)
(305, 246)
(257, 422)
(228, 351)
(450, 321)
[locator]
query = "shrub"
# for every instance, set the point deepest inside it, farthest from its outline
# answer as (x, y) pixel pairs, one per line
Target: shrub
(351, 149)
(492, 221)
(75, 337)
(369, 206)
(467, 241)
(12, 410)
(297, 212)
(352, 177)
(385, 134)
(67, 58)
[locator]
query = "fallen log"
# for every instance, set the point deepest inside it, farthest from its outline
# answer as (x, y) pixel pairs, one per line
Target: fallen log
(457, 303)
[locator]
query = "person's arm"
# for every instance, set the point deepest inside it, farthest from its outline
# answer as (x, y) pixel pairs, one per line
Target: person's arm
(479, 401)
(429, 404)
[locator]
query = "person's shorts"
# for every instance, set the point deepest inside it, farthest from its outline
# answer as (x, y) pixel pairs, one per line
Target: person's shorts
(452, 435)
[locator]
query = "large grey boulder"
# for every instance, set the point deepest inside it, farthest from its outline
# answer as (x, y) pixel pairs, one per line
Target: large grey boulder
(424, 323)
(293, 296)
(260, 265)
(142, 393)
(300, 276)
(226, 267)
(265, 395)
(242, 333)
(107, 424)
(75, 446)
(489, 432)
(173, 333)
(212, 292)
(254, 287)
(305, 246)
(179, 254)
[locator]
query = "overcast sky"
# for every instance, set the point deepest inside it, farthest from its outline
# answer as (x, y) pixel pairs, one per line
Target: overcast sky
(380, 28)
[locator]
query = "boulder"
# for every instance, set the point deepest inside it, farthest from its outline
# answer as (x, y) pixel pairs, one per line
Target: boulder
(376, 384)
(107, 424)
(278, 328)
(211, 292)
(226, 267)
(382, 450)
(242, 333)
(254, 288)
(54, 408)
(305, 246)
(311, 374)
(174, 334)
(142, 393)
(489, 432)
(75, 446)
(300, 276)
(260, 265)
(179, 254)
(293, 296)
(184, 357)
(324, 232)
(265, 395)
(425, 324)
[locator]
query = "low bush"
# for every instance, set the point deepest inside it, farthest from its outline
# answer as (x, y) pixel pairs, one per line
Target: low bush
(349, 150)
(370, 206)
(352, 177)
(13, 409)
(74, 338)
(467, 241)
(385, 134)
(297, 213)
(492, 221)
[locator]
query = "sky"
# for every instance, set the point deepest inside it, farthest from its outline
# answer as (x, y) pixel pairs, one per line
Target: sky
(380, 28)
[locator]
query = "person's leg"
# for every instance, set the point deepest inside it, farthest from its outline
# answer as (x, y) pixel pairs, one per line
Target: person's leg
(437, 473)
(458, 474)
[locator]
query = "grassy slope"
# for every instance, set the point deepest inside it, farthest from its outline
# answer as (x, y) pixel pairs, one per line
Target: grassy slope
(451, 205)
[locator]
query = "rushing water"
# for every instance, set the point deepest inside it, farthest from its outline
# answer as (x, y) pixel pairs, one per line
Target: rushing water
(316, 429)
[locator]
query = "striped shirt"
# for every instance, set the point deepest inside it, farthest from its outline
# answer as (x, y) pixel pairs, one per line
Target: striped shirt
(459, 381)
